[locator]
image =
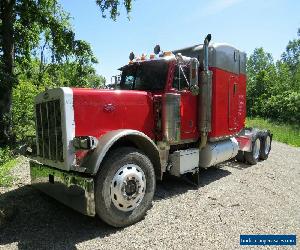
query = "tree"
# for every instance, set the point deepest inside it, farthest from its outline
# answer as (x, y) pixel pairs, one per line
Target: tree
(291, 57)
(292, 53)
(112, 6)
(6, 66)
(273, 89)
(260, 71)
(24, 25)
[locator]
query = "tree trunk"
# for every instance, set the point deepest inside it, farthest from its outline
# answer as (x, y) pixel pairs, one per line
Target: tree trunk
(7, 79)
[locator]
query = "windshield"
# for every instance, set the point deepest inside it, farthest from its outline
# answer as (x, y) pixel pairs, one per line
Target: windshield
(149, 76)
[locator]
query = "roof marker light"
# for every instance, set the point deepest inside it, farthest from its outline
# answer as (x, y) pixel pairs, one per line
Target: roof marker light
(168, 53)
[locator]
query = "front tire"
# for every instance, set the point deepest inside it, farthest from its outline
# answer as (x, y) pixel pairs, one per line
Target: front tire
(125, 187)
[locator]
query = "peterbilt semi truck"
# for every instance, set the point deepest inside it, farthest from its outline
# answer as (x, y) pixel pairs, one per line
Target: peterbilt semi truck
(101, 151)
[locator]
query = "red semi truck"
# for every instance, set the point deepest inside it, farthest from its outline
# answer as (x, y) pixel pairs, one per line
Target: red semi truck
(101, 151)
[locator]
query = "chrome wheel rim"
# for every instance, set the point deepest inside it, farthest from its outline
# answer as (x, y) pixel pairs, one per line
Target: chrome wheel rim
(127, 187)
(256, 148)
(267, 145)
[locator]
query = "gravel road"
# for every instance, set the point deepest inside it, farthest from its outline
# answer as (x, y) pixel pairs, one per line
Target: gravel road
(232, 199)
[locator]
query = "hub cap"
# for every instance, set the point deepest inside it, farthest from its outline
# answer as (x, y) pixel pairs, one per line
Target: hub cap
(267, 145)
(127, 188)
(256, 148)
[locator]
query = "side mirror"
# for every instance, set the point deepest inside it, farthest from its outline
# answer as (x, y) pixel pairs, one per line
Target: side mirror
(115, 81)
(194, 66)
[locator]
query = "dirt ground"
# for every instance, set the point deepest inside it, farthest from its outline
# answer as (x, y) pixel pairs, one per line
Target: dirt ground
(232, 199)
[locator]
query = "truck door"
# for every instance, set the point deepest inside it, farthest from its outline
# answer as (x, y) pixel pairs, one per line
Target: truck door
(188, 105)
(233, 102)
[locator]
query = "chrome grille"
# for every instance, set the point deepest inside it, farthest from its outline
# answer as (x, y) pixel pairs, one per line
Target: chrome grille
(49, 130)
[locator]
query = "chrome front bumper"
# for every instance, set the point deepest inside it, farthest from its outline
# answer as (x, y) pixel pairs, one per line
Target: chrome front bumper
(71, 189)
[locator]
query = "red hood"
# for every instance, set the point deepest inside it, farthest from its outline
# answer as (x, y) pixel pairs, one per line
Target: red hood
(99, 111)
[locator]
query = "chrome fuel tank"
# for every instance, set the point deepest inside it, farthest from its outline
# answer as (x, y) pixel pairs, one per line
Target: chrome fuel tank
(218, 152)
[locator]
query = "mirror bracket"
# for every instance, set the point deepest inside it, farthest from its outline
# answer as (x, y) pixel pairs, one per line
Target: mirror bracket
(194, 67)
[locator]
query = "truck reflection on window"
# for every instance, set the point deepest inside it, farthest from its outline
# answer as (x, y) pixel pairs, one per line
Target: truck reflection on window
(149, 76)
(181, 76)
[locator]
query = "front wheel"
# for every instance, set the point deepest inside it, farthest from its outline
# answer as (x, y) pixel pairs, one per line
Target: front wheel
(125, 187)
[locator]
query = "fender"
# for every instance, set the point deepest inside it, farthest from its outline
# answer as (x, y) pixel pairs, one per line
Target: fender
(93, 162)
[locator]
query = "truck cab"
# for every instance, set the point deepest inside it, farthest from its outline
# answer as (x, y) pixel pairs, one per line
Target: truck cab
(100, 151)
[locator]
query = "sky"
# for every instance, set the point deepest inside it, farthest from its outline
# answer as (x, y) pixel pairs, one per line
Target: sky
(177, 24)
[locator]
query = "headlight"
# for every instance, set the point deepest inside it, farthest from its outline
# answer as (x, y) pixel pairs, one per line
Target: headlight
(85, 142)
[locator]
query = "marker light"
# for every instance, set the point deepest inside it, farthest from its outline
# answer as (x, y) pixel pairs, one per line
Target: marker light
(168, 53)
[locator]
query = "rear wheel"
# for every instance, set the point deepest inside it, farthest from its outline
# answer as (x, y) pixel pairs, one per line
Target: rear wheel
(253, 156)
(125, 187)
(266, 141)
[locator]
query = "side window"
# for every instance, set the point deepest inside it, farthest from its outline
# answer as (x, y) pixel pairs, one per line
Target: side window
(140, 79)
(181, 76)
(128, 83)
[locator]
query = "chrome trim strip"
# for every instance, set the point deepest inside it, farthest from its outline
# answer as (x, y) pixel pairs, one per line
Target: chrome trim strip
(48, 126)
(55, 131)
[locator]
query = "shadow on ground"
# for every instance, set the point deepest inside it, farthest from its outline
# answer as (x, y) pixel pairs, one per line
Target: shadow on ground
(172, 186)
(39, 222)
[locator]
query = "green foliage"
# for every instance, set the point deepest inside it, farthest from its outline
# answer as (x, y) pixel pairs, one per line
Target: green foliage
(6, 163)
(112, 6)
(5, 155)
(282, 132)
(23, 109)
(292, 54)
(273, 89)
(5, 177)
(284, 107)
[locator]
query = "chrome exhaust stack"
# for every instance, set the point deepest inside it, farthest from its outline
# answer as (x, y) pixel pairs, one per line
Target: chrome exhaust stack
(205, 97)
(205, 47)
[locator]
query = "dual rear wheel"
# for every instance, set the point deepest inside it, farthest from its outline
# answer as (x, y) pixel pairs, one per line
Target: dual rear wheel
(261, 147)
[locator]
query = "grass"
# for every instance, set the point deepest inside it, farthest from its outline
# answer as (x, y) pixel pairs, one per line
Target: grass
(286, 133)
(5, 177)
